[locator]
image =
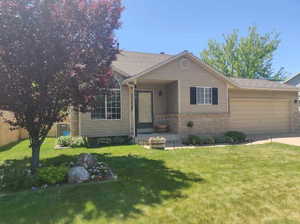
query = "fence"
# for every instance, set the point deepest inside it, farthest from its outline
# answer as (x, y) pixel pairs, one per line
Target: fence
(6, 135)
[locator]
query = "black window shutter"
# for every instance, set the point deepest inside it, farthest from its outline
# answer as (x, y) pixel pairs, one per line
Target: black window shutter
(215, 96)
(193, 95)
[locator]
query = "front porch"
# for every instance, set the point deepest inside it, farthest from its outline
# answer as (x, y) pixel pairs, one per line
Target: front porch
(155, 107)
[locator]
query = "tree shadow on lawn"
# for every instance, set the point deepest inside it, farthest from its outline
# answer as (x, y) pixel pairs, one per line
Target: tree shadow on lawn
(141, 181)
(9, 146)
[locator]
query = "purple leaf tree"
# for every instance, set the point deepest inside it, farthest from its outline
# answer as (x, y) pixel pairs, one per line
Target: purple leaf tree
(54, 54)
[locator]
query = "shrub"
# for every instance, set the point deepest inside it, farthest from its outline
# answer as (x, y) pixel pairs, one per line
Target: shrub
(77, 142)
(190, 124)
(220, 139)
(229, 140)
(192, 140)
(64, 141)
(118, 140)
(106, 141)
(223, 140)
(195, 140)
(207, 140)
(238, 137)
(68, 141)
(52, 174)
(15, 179)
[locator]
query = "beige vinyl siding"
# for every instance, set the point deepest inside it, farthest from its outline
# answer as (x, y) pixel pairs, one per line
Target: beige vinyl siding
(98, 128)
(261, 111)
(193, 75)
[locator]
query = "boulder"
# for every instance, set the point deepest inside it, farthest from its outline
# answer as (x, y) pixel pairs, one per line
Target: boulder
(78, 174)
(86, 160)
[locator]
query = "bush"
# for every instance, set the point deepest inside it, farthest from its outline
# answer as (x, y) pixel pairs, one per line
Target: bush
(238, 137)
(207, 140)
(77, 142)
(64, 141)
(52, 174)
(194, 140)
(190, 124)
(68, 141)
(15, 179)
(197, 140)
(223, 140)
(220, 139)
(107, 141)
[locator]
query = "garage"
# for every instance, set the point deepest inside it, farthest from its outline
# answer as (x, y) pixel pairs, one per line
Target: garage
(254, 115)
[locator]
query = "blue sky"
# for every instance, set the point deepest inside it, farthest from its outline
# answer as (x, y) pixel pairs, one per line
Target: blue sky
(172, 26)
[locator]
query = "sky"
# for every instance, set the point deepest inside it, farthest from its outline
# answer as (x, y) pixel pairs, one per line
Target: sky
(172, 26)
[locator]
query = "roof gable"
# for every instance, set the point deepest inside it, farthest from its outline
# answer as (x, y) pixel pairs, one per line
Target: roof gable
(169, 58)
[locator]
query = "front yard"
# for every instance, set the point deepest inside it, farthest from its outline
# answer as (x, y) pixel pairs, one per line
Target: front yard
(234, 184)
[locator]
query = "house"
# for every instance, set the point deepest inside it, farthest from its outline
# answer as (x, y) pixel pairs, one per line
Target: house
(153, 89)
(294, 80)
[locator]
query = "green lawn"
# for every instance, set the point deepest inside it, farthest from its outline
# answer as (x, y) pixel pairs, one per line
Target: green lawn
(234, 184)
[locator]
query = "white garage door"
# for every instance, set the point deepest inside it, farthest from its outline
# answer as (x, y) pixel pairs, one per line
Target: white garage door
(259, 115)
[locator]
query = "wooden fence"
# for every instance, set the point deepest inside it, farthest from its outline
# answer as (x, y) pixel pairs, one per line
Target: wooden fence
(6, 135)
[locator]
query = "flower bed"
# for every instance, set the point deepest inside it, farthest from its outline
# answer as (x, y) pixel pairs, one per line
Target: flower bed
(86, 168)
(157, 142)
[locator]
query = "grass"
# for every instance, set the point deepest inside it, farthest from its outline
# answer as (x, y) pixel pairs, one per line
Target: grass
(234, 184)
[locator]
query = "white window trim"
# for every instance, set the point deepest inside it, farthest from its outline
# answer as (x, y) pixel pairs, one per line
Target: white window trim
(105, 119)
(204, 87)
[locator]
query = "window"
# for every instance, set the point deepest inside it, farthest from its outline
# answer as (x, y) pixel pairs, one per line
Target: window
(203, 95)
(108, 106)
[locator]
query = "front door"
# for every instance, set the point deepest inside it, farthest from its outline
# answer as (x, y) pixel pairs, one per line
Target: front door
(144, 109)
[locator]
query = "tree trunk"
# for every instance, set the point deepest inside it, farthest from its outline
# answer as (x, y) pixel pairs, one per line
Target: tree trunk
(35, 159)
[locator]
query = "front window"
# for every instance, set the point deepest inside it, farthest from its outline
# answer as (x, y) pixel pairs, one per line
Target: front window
(108, 105)
(203, 95)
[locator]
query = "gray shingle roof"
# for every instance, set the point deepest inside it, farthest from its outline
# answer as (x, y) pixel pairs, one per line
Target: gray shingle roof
(260, 84)
(135, 62)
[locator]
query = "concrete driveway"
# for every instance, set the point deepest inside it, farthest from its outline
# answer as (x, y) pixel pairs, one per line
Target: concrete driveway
(290, 139)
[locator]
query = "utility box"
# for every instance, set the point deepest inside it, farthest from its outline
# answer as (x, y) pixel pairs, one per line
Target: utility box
(63, 130)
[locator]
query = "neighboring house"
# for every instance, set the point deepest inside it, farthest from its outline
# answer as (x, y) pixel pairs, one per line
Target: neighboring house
(294, 80)
(152, 89)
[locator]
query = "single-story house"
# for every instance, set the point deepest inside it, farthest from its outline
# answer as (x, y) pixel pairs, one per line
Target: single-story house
(180, 90)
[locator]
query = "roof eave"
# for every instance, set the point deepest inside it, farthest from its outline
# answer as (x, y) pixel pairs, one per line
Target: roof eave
(121, 72)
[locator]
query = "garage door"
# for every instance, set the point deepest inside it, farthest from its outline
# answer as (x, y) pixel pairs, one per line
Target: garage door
(259, 115)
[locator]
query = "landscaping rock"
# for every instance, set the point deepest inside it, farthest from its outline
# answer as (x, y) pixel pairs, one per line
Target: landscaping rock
(87, 160)
(78, 174)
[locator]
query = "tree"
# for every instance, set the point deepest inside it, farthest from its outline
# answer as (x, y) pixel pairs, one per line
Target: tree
(246, 57)
(54, 54)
